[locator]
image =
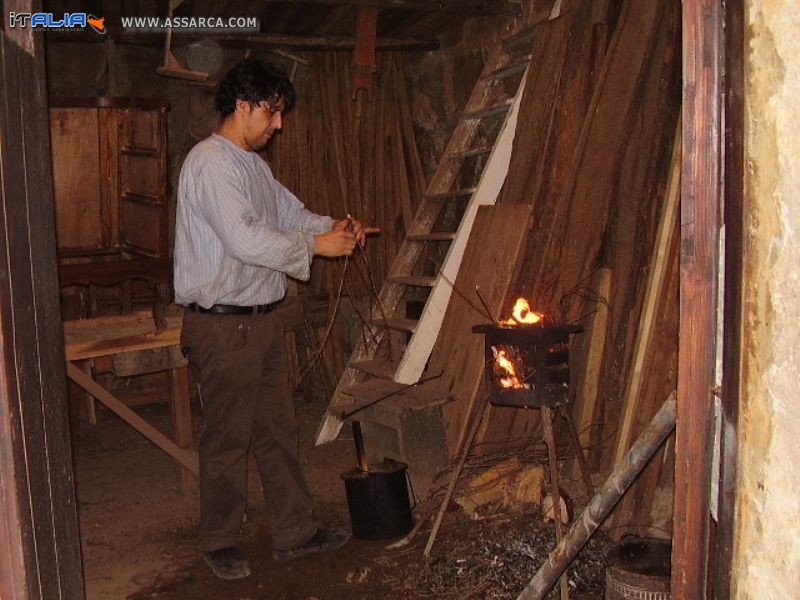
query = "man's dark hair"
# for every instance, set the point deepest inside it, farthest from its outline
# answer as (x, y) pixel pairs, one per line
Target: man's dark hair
(254, 80)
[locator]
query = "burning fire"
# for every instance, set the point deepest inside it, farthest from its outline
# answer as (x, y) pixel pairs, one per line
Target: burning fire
(506, 365)
(522, 314)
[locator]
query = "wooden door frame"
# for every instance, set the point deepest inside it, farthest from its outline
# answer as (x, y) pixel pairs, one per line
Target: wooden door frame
(712, 195)
(39, 540)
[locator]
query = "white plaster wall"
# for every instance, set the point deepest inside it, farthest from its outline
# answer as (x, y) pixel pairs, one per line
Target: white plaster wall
(767, 545)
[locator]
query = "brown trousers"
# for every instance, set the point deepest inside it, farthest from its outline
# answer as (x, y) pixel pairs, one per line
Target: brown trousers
(240, 363)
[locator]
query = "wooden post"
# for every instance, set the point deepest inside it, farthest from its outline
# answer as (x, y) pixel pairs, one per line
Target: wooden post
(39, 538)
(555, 492)
(700, 222)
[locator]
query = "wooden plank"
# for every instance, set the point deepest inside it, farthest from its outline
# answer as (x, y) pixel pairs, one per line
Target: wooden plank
(297, 42)
(634, 512)
(142, 362)
(76, 177)
(420, 346)
(470, 7)
(108, 120)
(659, 267)
(187, 458)
(90, 338)
(391, 409)
(593, 350)
(383, 368)
(701, 196)
(489, 262)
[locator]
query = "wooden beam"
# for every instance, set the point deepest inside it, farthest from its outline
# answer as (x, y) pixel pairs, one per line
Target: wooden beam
(296, 42)
(700, 222)
(465, 7)
(734, 241)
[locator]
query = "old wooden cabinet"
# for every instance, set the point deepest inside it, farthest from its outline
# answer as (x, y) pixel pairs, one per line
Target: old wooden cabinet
(112, 214)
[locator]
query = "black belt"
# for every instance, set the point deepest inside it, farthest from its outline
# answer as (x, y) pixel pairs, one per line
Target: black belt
(231, 309)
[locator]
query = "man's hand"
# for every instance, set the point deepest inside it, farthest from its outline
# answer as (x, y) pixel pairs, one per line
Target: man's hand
(358, 229)
(336, 242)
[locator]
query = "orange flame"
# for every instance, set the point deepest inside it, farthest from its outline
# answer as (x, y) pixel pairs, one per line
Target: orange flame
(522, 314)
(507, 365)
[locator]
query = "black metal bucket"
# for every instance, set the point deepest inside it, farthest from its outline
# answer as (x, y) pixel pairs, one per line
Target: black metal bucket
(378, 501)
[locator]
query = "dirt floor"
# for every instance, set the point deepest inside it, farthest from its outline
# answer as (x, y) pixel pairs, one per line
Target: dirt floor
(138, 520)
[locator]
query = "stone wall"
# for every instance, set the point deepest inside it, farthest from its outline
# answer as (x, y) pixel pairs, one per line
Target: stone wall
(767, 546)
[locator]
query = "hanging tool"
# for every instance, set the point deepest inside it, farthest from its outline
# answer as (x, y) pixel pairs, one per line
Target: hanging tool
(171, 66)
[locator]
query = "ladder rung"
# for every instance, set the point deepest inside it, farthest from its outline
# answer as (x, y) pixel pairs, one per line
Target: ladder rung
(473, 152)
(418, 280)
(397, 324)
(382, 368)
(507, 71)
(497, 109)
(522, 39)
(140, 198)
(140, 151)
(434, 236)
(454, 194)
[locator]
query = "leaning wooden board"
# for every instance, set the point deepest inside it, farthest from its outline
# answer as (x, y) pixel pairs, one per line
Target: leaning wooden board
(490, 263)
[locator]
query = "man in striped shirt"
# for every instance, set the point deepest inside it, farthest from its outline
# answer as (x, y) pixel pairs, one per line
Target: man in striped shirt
(239, 233)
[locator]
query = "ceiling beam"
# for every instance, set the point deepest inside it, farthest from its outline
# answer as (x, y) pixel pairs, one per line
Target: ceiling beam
(296, 42)
(466, 7)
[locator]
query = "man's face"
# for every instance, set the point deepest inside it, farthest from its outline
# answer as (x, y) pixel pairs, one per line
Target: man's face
(261, 121)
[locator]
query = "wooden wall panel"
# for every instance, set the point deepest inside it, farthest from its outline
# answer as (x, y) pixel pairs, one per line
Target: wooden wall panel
(340, 156)
(595, 169)
(80, 211)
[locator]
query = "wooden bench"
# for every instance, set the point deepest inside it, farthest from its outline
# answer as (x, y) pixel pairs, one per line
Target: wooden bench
(129, 345)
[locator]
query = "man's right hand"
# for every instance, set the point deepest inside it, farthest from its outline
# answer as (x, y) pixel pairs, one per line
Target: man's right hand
(335, 243)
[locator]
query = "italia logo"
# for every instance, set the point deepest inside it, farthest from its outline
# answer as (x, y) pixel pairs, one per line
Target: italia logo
(69, 21)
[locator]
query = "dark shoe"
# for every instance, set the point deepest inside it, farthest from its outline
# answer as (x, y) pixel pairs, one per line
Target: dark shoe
(322, 541)
(227, 563)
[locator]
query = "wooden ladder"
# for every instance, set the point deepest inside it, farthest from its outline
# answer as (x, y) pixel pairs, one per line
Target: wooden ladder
(395, 347)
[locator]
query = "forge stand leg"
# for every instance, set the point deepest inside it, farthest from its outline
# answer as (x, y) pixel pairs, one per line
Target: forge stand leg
(547, 430)
(576, 446)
